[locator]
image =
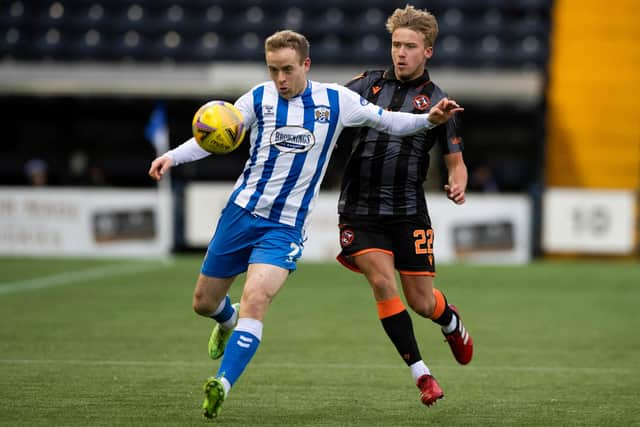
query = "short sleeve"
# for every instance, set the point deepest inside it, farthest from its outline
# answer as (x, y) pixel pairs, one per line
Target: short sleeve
(449, 138)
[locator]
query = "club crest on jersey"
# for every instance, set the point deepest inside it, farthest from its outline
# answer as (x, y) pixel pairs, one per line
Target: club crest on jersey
(346, 237)
(421, 102)
(322, 114)
(363, 101)
(292, 139)
(267, 110)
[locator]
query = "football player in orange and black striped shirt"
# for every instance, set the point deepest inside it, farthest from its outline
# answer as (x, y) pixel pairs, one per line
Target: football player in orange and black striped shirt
(384, 222)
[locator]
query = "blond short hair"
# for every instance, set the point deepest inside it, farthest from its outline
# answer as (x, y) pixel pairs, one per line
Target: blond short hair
(418, 20)
(288, 39)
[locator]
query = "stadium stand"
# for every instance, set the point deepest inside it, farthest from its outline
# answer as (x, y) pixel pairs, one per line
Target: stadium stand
(493, 33)
(93, 70)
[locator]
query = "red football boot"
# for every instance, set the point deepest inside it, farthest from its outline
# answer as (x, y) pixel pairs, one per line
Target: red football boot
(430, 391)
(460, 341)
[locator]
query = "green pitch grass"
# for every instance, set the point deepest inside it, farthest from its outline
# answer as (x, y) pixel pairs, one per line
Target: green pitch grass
(106, 342)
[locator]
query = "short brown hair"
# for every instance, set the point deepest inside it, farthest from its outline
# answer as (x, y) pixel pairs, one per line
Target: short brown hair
(418, 20)
(287, 38)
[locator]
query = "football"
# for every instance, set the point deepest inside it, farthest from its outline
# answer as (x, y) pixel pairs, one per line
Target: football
(218, 127)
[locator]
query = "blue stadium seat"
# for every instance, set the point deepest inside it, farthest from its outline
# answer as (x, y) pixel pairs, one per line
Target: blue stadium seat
(529, 24)
(530, 52)
(50, 44)
(91, 44)
(331, 20)
(129, 45)
(330, 48)
(494, 52)
(371, 50)
(51, 13)
(370, 20)
(13, 13)
(292, 18)
(131, 17)
(448, 51)
(453, 22)
(14, 43)
(532, 5)
(208, 46)
(211, 18)
(246, 47)
(500, 33)
(90, 16)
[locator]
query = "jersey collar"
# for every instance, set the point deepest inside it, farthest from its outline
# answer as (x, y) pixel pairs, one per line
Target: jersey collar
(390, 74)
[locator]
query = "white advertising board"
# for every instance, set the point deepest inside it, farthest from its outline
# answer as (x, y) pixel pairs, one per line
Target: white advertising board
(202, 206)
(52, 221)
(486, 229)
(588, 221)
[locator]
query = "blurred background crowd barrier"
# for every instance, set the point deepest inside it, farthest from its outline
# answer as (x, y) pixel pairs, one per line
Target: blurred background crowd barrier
(550, 90)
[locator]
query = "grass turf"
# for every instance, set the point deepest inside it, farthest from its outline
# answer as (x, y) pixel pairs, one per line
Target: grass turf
(106, 342)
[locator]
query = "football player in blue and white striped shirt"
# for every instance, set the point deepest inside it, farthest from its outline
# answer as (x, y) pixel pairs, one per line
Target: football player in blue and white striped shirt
(294, 124)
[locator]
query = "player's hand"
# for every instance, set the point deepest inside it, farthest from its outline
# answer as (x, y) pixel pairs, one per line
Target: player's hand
(455, 193)
(159, 167)
(443, 111)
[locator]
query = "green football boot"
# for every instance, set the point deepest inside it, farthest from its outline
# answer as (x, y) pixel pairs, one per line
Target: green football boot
(219, 337)
(213, 397)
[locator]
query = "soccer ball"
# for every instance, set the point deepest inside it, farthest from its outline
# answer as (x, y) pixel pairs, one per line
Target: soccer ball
(218, 127)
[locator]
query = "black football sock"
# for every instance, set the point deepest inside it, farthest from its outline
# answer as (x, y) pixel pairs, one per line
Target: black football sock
(399, 329)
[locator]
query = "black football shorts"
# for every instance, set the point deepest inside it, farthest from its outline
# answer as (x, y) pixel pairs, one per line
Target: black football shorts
(408, 238)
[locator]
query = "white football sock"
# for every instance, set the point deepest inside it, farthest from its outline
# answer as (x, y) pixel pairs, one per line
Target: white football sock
(452, 325)
(231, 322)
(253, 326)
(419, 369)
(226, 385)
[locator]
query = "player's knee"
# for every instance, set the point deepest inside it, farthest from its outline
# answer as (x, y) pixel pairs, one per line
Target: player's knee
(424, 305)
(202, 305)
(383, 287)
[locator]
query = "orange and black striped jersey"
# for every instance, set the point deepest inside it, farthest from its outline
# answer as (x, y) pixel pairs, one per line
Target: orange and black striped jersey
(384, 174)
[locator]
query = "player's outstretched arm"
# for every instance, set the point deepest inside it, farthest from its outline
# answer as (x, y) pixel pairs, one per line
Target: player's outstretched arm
(443, 111)
(188, 151)
(357, 112)
(159, 167)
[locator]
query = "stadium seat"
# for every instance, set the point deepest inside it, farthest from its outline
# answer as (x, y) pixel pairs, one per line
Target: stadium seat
(13, 13)
(49, 44)
(88, 45)
(370, 20)
(332, 20)
(371, 50)
(498, 33)
(246, 47)
(448, 51)
(128, 46)
(13, 43)
(207, 46)
(330, 48)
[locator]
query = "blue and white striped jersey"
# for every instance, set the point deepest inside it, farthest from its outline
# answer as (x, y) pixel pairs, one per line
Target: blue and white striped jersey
(291, 142)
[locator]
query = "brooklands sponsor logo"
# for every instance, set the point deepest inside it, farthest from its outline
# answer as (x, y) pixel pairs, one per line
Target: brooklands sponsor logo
(292, 139)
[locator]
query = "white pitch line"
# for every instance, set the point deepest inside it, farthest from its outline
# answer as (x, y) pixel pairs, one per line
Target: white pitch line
(75, 276)
(368, 366)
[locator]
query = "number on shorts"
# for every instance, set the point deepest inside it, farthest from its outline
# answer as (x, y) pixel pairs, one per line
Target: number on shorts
(424, 241)
(295, 251)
